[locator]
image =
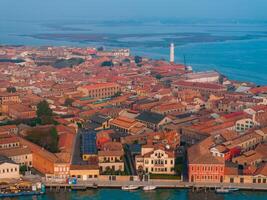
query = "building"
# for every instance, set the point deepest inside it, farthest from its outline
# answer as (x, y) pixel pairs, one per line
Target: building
(155, 159)
(203, 88)
(153, 120)
(8, 169)
(243, 125)
(9, 129)
(9, 142)
(20, 155)
(98, 122)
(84, 172)
(19, 111)
(110, 157)
(88, 145)
(7, 98)
(114, 53)
(100, 90)
(127, 125)
(203, 77)
(203, 166)
(168, 108)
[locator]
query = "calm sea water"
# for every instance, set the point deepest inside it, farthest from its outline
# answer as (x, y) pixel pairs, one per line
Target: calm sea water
(161, 194)
(236, 49)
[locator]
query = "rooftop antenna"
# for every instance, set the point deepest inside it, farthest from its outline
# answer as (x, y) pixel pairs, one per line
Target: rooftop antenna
(185, 62)
(186, 67)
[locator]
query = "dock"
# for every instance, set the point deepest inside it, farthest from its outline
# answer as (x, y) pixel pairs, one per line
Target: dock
(171, 184)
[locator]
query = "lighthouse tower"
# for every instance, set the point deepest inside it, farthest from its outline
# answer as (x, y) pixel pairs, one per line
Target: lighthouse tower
(172, 53)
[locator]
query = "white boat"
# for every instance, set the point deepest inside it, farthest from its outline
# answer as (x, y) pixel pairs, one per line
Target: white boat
(149, 188)
(222, 190)
(225, 190)
(130, 187)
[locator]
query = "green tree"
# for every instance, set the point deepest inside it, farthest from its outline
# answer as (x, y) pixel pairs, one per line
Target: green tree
(107, 64)
(11, 90)
(44, 112)
(126, 60)
(53, 147)
(23, 169)
(68, 102)
(158, 76)
(137, 59)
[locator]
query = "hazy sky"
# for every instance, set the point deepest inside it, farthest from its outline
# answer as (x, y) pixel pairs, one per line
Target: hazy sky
(131, 9)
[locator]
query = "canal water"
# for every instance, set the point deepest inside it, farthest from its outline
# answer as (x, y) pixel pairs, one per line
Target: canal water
(159, 194)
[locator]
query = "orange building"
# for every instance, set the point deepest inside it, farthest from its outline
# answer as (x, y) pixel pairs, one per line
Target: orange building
(6, 98)
(100, 90)
(19, 111)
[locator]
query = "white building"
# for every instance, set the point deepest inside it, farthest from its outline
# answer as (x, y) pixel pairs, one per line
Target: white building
(243, 125)
(8, 169)
(203, 77)
(155, 160)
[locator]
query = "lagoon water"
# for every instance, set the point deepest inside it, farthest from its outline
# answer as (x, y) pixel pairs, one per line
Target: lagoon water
(160, 194)
(236, 49)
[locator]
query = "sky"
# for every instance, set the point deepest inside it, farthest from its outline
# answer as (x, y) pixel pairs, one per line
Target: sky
(132, 9)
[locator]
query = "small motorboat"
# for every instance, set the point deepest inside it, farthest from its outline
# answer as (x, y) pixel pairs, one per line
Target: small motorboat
(233, 189)
(225, 190)
(130, 187)
(149, 188)
(222, 190)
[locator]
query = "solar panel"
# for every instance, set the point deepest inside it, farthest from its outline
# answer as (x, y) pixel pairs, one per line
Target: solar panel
(89, 142)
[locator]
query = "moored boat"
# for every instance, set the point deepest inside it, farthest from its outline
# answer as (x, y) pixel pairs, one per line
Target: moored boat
(225, 190)
(149, 188)
(222, 190)
(130, 187)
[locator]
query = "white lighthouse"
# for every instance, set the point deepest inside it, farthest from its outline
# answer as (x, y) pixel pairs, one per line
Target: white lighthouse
(172, 53)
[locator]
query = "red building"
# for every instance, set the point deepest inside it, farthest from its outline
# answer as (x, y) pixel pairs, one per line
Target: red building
(203, 166)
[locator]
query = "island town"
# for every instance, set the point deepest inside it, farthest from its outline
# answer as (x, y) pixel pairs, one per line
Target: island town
(78, 118)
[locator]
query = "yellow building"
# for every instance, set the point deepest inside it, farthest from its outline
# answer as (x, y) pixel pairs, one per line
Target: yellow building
(84, 172)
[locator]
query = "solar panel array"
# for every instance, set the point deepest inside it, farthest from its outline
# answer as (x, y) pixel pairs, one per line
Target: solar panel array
(89, 142)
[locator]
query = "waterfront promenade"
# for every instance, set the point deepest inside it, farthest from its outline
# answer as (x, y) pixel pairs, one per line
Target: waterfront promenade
(157, 183)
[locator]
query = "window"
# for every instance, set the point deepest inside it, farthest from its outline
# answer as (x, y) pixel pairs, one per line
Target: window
(231, 180)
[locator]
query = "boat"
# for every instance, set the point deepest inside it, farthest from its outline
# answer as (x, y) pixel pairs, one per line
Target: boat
(222, 190)
(149, 188)
(225, 190)
(18, 194)
(233, 189)
(130, 187)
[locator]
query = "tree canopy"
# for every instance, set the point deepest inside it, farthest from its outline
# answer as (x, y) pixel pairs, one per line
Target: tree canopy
(137, 59)
(11, 90)
(44, 112)
(107, 64)
(68, 102)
